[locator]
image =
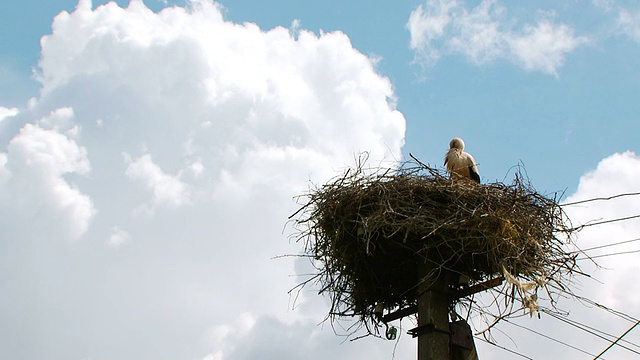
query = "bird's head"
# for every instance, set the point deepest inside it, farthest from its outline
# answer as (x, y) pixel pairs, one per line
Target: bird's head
(456, 143)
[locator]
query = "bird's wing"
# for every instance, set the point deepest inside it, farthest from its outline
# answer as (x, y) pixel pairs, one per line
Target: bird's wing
(474, 174)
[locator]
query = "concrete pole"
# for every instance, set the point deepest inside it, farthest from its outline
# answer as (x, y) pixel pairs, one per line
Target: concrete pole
(433, 316)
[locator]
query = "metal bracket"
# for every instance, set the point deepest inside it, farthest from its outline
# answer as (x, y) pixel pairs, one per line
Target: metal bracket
(400, 313)
(425, 329)
(477, 288)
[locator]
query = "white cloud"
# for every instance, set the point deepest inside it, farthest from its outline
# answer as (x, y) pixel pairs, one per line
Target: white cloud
(484, 34)
(427, 25)
(544, 46)
(58, 119)
(7, 112)
(223, 338)
(629, 23)
(34, 170)
(224, 124)
(614, 175)
(624, 19)
(478, 33)
(166, 189)
(118, 237)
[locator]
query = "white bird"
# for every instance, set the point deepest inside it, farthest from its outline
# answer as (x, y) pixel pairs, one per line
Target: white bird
(461, 164)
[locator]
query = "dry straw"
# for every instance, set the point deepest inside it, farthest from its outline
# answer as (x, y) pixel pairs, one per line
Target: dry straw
(368, 231)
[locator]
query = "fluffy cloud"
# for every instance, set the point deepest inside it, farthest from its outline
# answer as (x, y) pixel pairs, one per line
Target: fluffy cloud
(221, 125)
(33, 183)
(543, 46)
(484, 33)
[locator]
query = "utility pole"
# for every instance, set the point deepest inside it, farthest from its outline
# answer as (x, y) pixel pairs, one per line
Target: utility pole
(437, 338)
(433, 315)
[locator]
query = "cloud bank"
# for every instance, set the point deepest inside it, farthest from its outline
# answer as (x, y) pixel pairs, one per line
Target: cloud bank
(145, 190)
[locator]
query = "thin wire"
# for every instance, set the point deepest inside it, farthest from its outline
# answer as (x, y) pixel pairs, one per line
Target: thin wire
(613, 312)
(578, 228)
(607, 245)
(616, 341)
(588, 331)
(503, 348)
(580, 326)
(548, 337)
(617, 313)
(612, 254)
(601, 198)
(607, 334)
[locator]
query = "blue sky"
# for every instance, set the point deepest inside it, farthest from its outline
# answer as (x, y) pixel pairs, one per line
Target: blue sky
(149, 154)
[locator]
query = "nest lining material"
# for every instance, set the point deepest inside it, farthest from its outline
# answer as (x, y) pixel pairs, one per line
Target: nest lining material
(368, 232)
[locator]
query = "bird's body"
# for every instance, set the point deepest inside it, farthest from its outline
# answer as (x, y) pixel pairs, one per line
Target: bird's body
(461, 164)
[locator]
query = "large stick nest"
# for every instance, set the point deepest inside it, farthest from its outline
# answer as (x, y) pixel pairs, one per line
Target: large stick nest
(369, 232)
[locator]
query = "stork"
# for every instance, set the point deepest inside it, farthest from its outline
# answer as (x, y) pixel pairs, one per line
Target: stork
(461, 164)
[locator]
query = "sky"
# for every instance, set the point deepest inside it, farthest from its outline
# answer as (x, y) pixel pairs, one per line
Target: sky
(151, 153)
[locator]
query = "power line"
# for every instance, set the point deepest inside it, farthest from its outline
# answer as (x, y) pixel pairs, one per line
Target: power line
(503, 348)
(588, 257)
(602, 198)
(548, 337)
(578, 228)
(579, 326)
(587, 330)
(612, 254)
(607, 245)
(613, 312)
(616, 341)
(617, 313)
